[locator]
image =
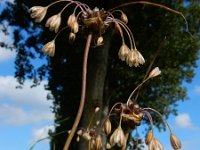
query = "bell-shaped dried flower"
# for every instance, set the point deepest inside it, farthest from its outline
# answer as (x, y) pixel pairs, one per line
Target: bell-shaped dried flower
(72, 37)
(38, 12)
(134, 58)
(71, 20)
(149, 137)
(49, 48)
(75, 27)
(98, 143)
(124, 18)
(175, 142)
(54, 22)
(107, 126)
(99, 41)
(123, 52)
(86, 136)
(155, 72)
(117, 137)
(155, 145)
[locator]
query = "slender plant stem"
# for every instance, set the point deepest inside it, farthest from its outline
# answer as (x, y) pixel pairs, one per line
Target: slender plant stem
(83, 92)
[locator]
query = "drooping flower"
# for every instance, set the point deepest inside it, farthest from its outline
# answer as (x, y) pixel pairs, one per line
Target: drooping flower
(71, 20)
(98, 143)
(124, 18)
(155, 72)
(49, 48)
(149, 137)
(117, 137)
(38, 12)
(155, 145)
(123, 52)
(175, 142)
(134, 58)
(107, 126)
(54, 22)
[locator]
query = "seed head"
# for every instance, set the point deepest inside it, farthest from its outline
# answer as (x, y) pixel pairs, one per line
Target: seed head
(155, 72)
(54, 23)
(124, 18)
(175, 142)
(38, 12)
(149, 137)
(107, 127)
(123, 52)
(134, 58)
(117, 137)
(98, 143)
(49, 48)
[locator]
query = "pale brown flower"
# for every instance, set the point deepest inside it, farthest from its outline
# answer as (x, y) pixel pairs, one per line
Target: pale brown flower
(149, 137)
(155, 72)
(155, 145)
(107, 126)
(72, 37)
(54, 22)
(99, 41)
(98, 143)
(124, 18)
(71, 20)
(134, 58)
(75, 27)
(49, 48)
(175, 142)
(38, 12)
(117, 137)
(123, 52)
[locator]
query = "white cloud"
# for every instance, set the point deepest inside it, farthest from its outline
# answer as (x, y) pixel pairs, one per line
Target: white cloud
(41, 132)
(197, 89)
(183, 121)
(6, 54)
(23, 106)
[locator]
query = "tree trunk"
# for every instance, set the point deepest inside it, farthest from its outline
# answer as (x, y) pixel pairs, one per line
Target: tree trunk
(97, 69)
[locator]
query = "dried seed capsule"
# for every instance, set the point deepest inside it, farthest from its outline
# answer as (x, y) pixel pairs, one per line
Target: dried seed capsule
(124, 18)
(54, 22)
(117, 137)
(123, 52)
(175, 142)
(38, 12)
(49, 48)
(71, 20)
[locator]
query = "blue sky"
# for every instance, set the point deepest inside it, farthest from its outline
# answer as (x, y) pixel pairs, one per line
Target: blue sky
(25, 114)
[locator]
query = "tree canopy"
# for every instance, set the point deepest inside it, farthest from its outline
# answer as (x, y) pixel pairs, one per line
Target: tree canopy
(156, 32)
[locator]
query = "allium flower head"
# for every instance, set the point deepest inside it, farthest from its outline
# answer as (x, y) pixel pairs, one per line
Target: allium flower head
(54, 23)
(117, 137)
(38, 12)
(123, 52)
(155, 72)
(134, 58)
(49, 48)
(175, 142)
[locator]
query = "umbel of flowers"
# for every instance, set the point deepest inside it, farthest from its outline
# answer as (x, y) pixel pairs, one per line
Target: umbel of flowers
(95, 22)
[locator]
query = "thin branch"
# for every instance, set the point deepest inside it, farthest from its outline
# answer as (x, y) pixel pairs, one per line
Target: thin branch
(83, 92)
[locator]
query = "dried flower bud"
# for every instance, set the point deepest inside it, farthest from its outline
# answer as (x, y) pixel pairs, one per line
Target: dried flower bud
(100, 41)
(149, 137)
(124, 18)
(117, 137)
(38, 12)
(175, 142)
(108, 146)
(71, 20)
(80, 132)
(107, 126)
(134, 58)
(78, 138)
(155, 72)
(49, 48)
(75, 27)
(97, 109)
(54, 22)
(123, 52)
(72, 37)
(86, 136)
(98, 143)
(155, 145)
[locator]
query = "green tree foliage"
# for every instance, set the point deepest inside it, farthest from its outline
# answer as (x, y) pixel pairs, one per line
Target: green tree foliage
(151, 26)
